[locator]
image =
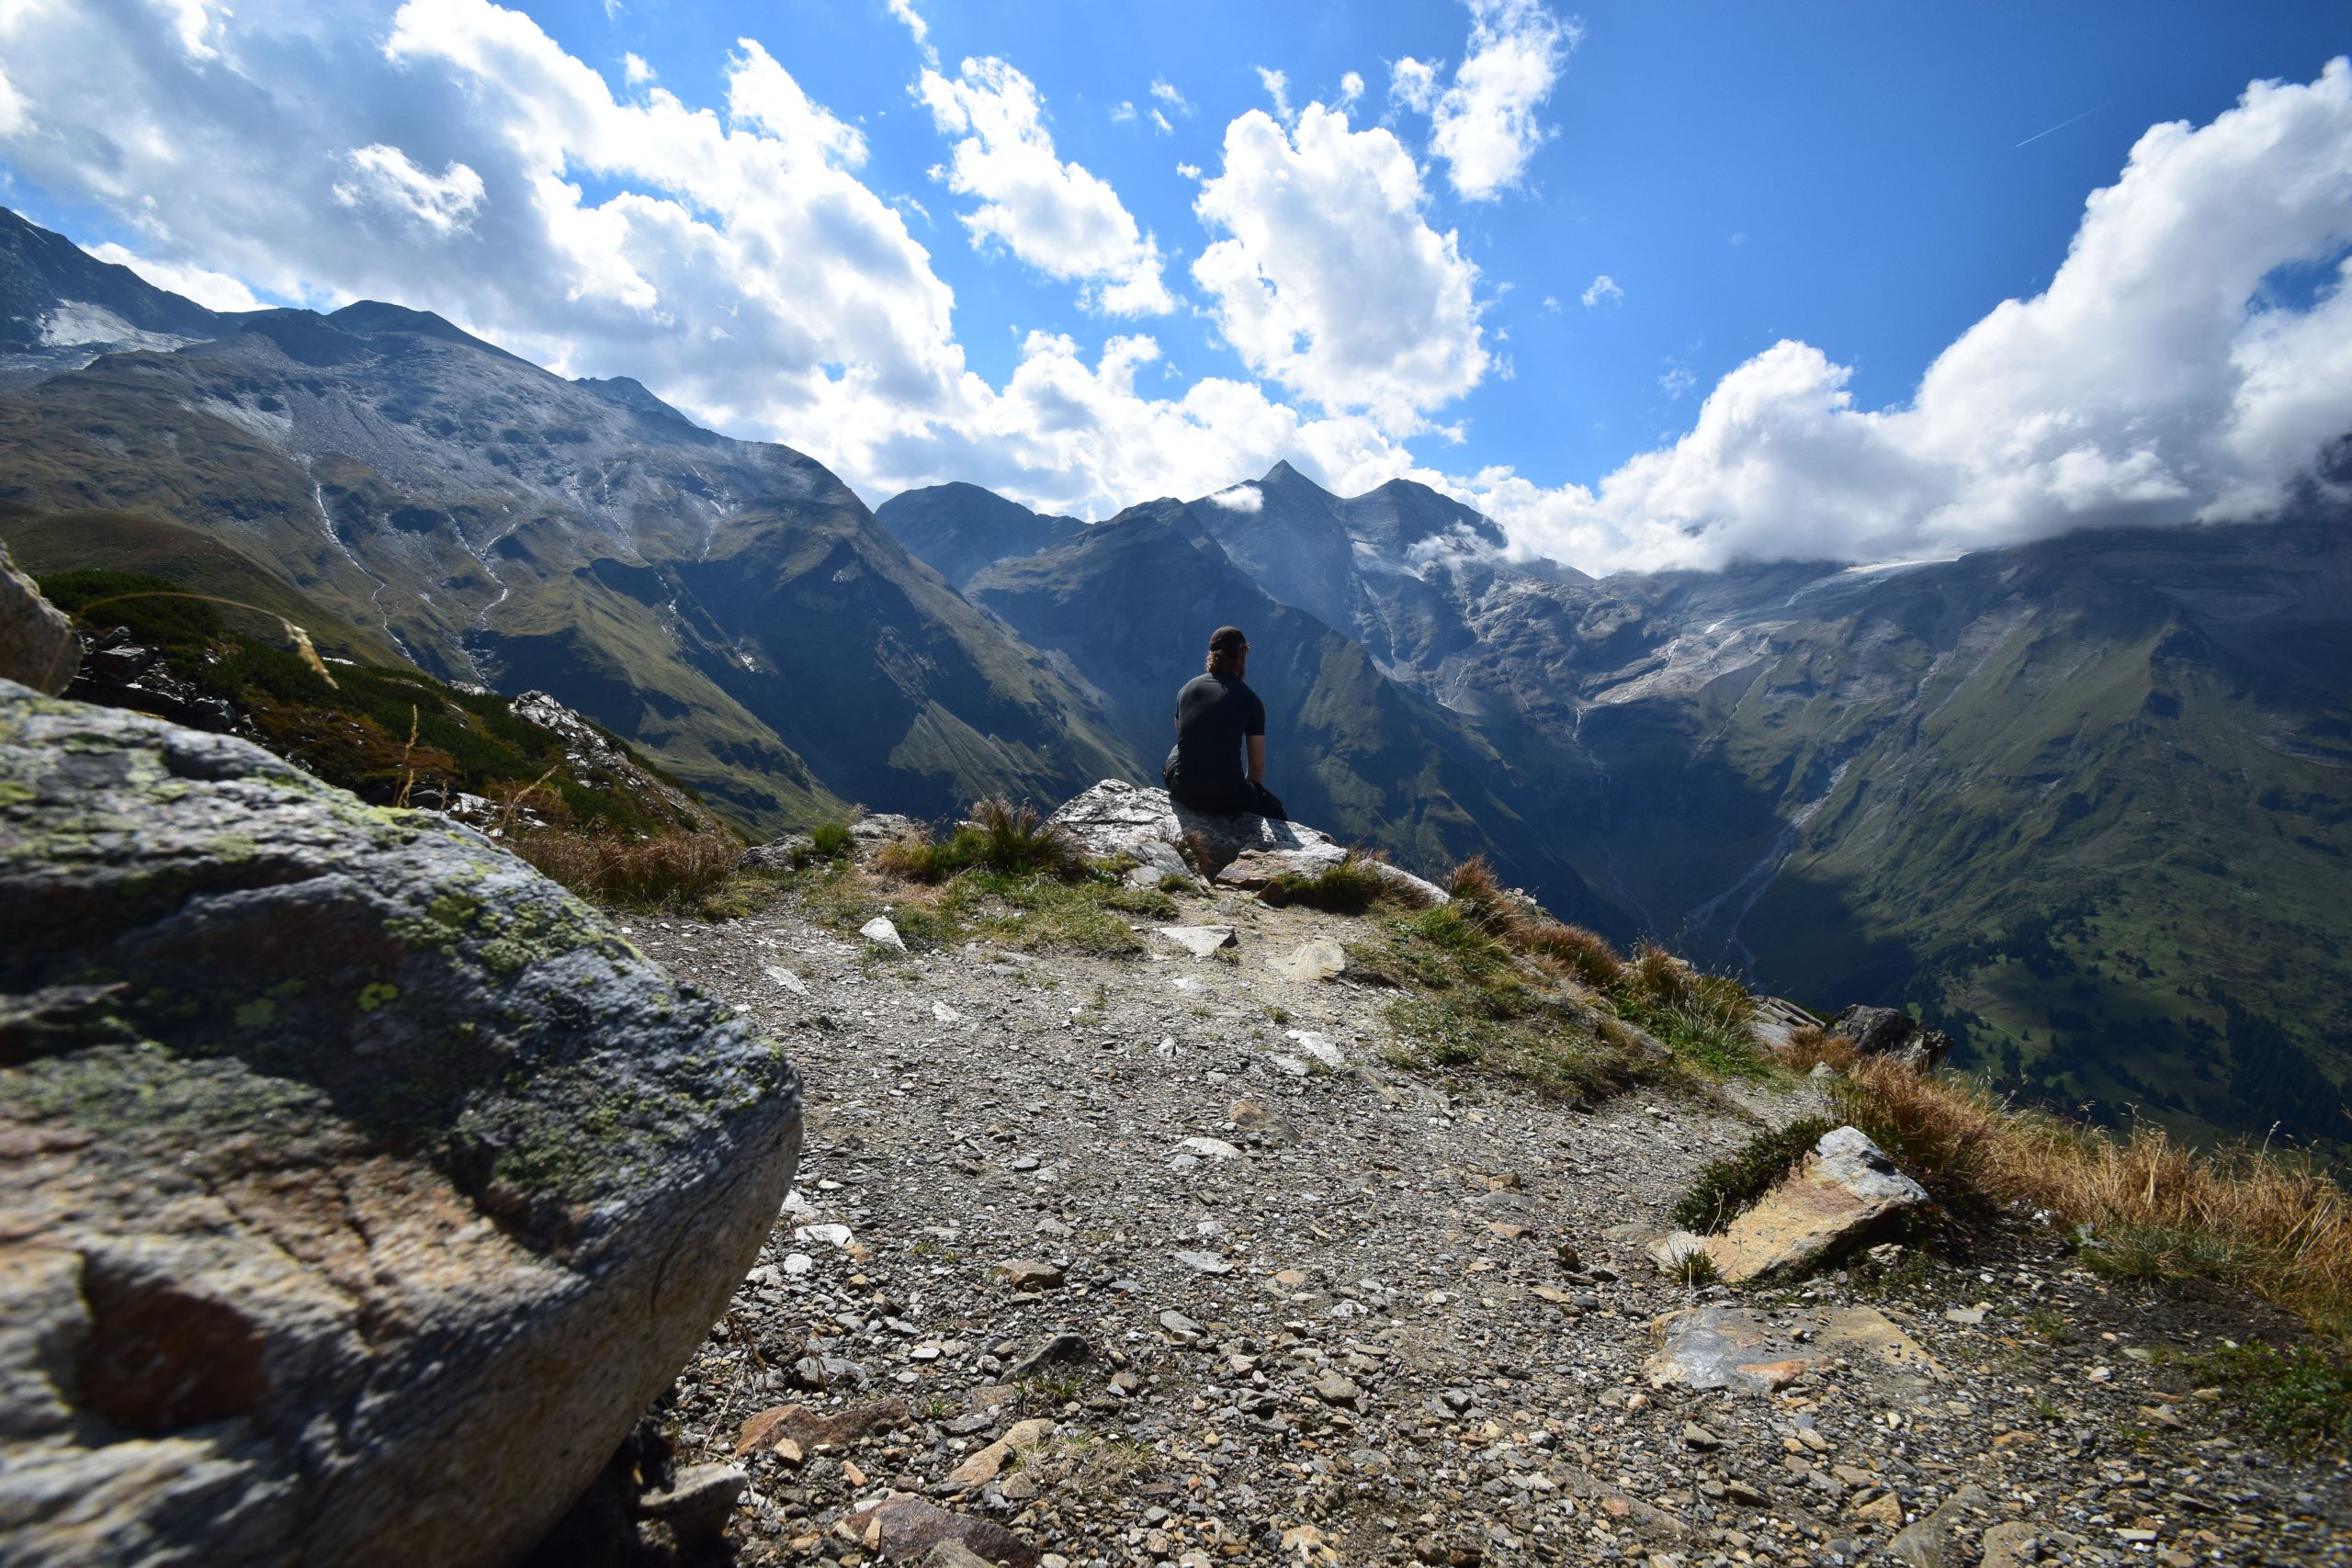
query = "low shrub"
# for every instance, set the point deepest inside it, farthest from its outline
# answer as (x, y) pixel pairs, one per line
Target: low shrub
(1728, 1187)
(2300, 1397)
(1573, 951)
(666, 870)
(1812, 1046)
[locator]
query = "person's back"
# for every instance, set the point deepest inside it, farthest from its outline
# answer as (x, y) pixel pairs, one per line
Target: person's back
(1218, 720)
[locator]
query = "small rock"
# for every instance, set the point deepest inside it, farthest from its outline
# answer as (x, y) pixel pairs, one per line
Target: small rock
(1210, 1148)
(698, 1502)
(983, 1466)
(1199, 940)
(942, 1013)
(1029, 1274)
(1061, 1350)
(1205, 1262)
(1333, 1388)
(1181, 1328)
(1698, 1440)
(882, 934)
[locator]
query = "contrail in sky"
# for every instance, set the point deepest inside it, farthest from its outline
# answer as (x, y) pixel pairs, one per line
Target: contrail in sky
(2059, 126)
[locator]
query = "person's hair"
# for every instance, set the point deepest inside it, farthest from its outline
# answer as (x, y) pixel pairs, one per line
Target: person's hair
(1228, 651)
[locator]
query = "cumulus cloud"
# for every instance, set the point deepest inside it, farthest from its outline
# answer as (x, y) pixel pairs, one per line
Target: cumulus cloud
(1330, 280)
(1240, 498)
(213, 290)
(635, 71)
(383, 177)
(1056, 217)
(1603, 290)
(2160, 378)
(917, 26)
(1484, 122)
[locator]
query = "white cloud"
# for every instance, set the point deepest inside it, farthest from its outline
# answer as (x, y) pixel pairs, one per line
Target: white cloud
(1551, 304)
(1484, 123)
(1351, 89)
(1056, 217)
(1168, 94)
(1412, 83)
(15, 116)
(635, 71)
(1603, 290)
(197, 23)
(383, 177)
(1240, 498)
(1123, 111)
(213, 290)
(1160, 123)
(1675, 381)
(2158, 378)
(1330, 281)
(916, 25)
(1277, 88)
(1189, 171)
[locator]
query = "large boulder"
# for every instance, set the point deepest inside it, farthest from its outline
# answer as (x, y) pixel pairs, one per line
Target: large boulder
(358, 1187)
(1245, 850)
(1893, 1033)
(38, 647)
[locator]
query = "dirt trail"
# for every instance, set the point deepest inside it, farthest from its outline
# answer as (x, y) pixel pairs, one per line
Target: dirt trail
(1375, 1317)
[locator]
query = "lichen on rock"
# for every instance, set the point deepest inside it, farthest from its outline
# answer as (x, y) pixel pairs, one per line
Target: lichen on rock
(363, 1186)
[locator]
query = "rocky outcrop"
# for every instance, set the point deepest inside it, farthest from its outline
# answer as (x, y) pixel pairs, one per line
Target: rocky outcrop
(1893, 1033)
(37, 645)
(360, 1187)
(1245, 851)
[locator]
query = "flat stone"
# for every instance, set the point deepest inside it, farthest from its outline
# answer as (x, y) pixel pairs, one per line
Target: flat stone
(1181, 1327)
(1205, 1262)
(1317, 1047)
(1334, 1388)
(1319, 958)
(1199, 940)
(1720, 1346)
(1844, 1189)
(1210, 1148)
(882, 934)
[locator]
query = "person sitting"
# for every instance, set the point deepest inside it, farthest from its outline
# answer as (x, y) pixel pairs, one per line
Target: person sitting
(1217, 718)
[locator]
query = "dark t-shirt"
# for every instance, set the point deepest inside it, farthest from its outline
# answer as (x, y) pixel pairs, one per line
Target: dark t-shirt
(1214, 714)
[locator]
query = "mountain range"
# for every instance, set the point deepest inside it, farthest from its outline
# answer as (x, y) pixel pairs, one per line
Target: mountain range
(2085, 802)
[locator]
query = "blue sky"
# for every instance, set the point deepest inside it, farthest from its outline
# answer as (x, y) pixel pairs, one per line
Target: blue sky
(1862, 185)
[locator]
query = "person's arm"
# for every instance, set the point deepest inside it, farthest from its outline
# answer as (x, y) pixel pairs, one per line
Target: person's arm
(1257, 744)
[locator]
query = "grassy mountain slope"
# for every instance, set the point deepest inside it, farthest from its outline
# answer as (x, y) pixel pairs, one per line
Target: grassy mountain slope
(496, 524)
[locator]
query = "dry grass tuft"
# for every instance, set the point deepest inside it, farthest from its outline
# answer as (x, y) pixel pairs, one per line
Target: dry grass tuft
(668, 869)
(1573, 951)
(1811, 1046)
(2272, 1223)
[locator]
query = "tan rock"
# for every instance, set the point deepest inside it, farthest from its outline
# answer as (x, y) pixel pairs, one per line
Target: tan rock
(1718, 1347)
(982, 1466)
(1844, 1189)
(37, 645)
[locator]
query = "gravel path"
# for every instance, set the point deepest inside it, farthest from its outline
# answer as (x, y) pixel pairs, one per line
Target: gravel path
(1236, 1295)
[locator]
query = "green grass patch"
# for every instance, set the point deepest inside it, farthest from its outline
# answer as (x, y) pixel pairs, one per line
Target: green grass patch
(2300, 1398)
(1729, 1187)
(1001, 837)
(1350, 887)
